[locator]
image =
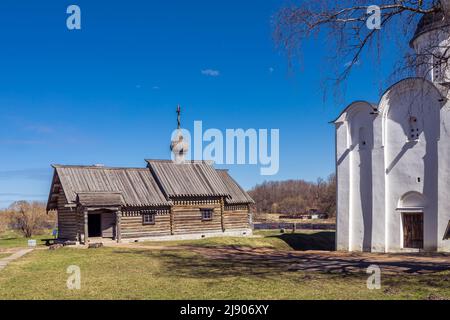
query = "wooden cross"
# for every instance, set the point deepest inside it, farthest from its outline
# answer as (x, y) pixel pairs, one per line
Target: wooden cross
(178, 116)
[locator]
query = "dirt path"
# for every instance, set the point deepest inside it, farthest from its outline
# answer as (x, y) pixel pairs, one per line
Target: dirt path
(16, 255)
(332, 262)
(319, 261)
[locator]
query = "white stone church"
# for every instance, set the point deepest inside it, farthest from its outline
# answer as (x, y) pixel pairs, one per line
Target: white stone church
(393, 158)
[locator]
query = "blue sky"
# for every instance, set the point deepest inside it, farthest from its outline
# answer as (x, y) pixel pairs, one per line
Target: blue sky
(107, 93)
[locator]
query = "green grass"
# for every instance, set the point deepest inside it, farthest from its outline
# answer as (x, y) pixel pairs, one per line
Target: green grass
(12, 239)
(145, 273)
(4, 255)
(271, 239)
(230, 242)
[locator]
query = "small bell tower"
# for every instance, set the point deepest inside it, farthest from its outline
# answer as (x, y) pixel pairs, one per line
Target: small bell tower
(178, 145)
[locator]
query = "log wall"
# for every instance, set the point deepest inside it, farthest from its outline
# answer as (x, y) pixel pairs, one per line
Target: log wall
(67, 219)
(237, 219)
(187, 219)
(183, 218)
(132, 226)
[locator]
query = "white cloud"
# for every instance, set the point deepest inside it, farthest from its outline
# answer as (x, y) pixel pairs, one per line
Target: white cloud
(211, 73)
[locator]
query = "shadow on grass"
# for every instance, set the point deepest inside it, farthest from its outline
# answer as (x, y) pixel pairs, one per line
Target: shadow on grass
(320, 241)
(209, 263)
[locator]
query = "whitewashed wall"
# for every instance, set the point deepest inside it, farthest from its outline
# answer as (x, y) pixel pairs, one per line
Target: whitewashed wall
(375, 181)
(373, 178)
(411, 164)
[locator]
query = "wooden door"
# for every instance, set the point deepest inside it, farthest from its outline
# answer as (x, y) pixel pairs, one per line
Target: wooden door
(108, 224)
(413, 230)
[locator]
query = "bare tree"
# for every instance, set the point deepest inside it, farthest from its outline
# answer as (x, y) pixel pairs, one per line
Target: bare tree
(4, 221)
(344, 23)
(30, 217)
(295, 196)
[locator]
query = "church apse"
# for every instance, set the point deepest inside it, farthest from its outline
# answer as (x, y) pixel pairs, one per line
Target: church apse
(411, 122)
(361, 214)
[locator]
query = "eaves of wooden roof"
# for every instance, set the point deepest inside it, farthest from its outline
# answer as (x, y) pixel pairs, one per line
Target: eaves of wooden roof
(237, 194)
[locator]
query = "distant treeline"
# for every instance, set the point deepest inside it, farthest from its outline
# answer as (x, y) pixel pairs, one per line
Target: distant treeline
(296, 196)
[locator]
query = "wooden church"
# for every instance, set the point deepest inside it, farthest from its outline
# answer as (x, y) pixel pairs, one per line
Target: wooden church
(168, 199)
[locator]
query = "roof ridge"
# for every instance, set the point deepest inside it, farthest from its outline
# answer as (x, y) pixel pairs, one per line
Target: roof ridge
(56, 166)
(209, 162)
(88, 192)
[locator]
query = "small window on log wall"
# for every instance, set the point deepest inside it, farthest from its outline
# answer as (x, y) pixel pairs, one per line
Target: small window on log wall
(447, 232)
(148, 218)
(207, 214)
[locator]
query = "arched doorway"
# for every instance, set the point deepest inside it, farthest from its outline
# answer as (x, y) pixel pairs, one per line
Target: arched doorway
(411, 206)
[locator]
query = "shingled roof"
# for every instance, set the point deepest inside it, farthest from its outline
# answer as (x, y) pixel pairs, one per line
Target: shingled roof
(156, 185)
(188, 179)
(137, 186)
(237, 194)
(100, 199)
